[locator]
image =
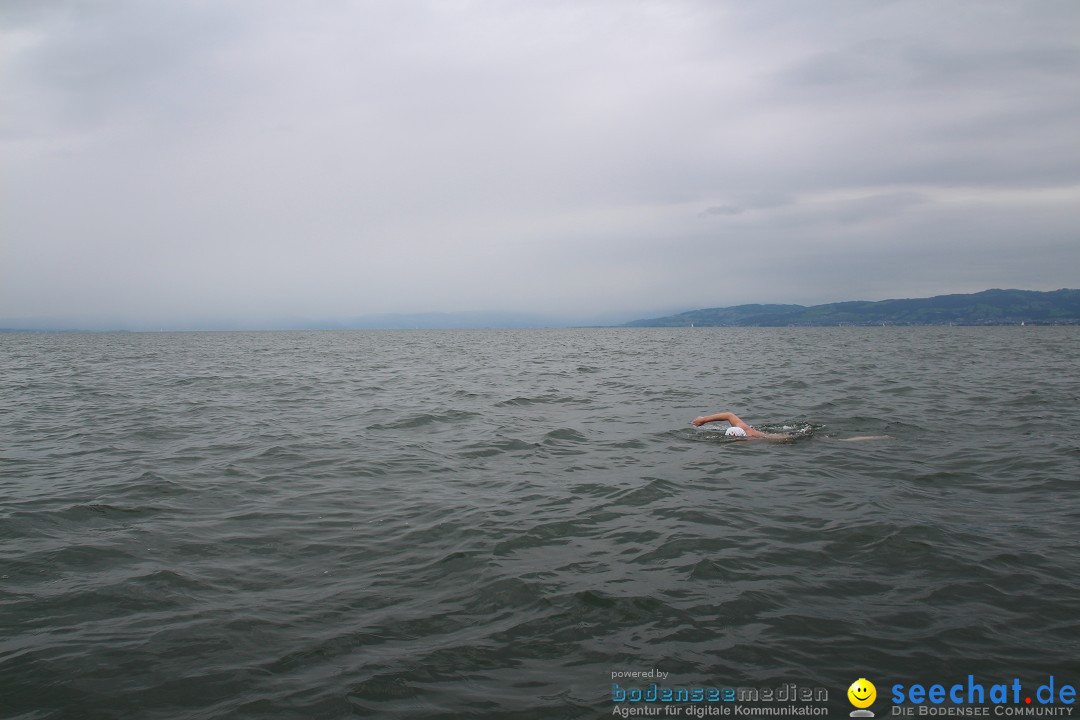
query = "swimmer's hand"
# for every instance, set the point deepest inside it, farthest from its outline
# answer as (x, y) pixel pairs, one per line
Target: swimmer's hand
(699, 421)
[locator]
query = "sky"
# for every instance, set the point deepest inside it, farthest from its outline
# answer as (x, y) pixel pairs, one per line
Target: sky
(250, 163)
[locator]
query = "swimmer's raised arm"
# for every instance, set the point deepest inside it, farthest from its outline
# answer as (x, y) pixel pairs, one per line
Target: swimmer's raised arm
(728, 417)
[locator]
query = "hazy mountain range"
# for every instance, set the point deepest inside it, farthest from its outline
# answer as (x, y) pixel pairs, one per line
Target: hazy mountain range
(989, 307)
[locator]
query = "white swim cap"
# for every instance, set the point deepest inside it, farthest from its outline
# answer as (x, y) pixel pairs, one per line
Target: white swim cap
(735, 432)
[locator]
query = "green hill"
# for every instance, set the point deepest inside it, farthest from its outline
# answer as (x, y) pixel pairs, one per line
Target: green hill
(990, 307)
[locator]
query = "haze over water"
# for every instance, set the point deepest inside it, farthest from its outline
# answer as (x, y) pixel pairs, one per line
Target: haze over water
(488, 524)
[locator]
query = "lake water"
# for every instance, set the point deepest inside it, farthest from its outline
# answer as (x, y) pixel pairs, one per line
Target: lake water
(491, 524)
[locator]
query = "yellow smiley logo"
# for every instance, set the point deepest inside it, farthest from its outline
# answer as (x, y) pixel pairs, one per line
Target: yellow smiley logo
(862, 693)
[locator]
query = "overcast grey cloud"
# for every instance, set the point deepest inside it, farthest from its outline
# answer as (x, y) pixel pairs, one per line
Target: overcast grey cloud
(253, 161)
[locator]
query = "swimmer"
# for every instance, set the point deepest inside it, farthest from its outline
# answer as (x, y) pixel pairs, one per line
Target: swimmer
(738, 428)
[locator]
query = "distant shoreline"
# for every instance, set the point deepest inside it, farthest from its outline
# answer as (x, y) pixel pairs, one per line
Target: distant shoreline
(989, 308)
(479, 328)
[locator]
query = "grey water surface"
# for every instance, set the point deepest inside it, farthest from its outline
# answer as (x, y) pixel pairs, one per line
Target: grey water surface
(489, 524)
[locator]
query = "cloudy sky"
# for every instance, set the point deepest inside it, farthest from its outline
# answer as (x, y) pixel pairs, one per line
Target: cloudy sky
(248, 161)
